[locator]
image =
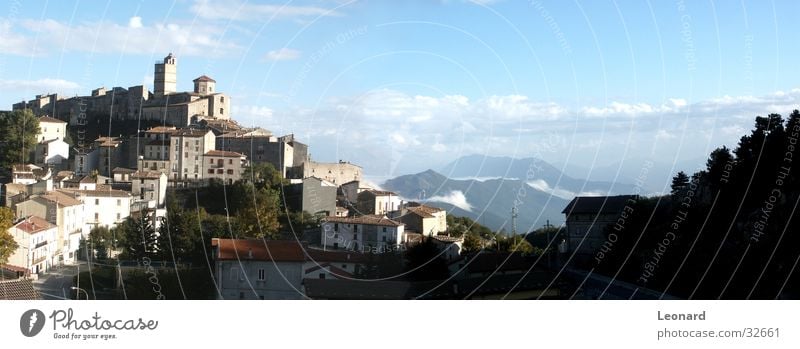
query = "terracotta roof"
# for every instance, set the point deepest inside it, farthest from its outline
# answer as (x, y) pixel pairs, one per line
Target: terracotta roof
(21, 289)
(108, 141)
(424, 210)
(598, 204)
(88, 179)
(33, 225)
(204, 78)
(263, 250)
(222, 153)
(366, 219)
(51, 120)
(61, 198)
(161, 129)
(25, 168)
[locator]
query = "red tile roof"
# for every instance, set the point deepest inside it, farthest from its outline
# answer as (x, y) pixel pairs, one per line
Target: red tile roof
(33, 225)
(263, 250)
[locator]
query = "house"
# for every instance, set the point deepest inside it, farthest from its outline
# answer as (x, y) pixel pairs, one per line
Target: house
(313, 195)
(102, 208)
(377, 202)
(425, 219)
(149, 189)
(110, 154)
(226, 166)
(450, 246)
(28, 174)
(64, 211)
(37, 242)
(51, 128)
(258, 269)
(369, 233)
(337, 264)
(122, 174)
(85, 160)
(337, 173)
(52, 153)
(587, 218)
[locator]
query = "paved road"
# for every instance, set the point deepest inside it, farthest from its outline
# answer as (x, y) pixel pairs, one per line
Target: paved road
(56, 284)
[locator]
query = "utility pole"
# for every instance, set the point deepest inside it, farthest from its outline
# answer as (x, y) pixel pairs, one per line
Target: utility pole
(514, 221)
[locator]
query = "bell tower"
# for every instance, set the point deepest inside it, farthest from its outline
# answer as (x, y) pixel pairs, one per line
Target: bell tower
(165, 79)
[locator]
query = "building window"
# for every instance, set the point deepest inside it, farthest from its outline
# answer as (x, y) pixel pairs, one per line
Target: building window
(261, 275)
(97, 201)
(335, 226)
(322, 275)
(119, 216)
(355, 236)
(344, 266)
(230, 172)
(230, 161)
(355, 228)
(221, 111)
(234, 273)
(210, 161)
(241, 295)
(186, 155)
(384, 229)
(96, 217)
(210, 171)
(119, 202)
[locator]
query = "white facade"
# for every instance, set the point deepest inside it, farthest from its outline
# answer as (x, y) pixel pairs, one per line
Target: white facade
(50, 128)
(54, 152)
(102, 207)
(66, 213)
(365, 234)
(37, 243)
(149, 188)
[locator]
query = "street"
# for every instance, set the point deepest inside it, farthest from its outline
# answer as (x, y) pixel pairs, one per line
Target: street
(57, 282)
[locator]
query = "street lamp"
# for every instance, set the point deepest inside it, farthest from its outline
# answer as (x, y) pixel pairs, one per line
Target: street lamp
(80, 289)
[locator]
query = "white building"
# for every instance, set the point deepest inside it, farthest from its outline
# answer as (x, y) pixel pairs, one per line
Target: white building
(377, 202)
(149, 189)
(423, 219)
(51, 128)
(66, 213)
(37, 243)
(53, 153)
(370, 233)
(102, 207)
(258, 269)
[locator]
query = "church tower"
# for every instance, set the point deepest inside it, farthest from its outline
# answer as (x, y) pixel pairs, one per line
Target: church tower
(165, 80)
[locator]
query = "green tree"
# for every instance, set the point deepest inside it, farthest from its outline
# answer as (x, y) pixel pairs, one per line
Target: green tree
(180, 234)
(679, 183)
(259, 219)
(264, 175)
(425, 262)
(472, 242)
(7, 243)
(138, 238)
(19, 129)
(100, 241)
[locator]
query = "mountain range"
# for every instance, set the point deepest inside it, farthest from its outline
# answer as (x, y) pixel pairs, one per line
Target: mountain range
(485, 189)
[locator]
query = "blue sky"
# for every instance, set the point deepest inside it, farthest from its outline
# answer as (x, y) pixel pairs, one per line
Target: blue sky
(402, 86)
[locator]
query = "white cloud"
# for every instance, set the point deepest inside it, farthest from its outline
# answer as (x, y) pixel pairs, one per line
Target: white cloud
(132, 37)
(40, 85)
(662, 135)
(541, 185)
(455, 198)
(283, 54)
(247, 11)
(135, 22)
